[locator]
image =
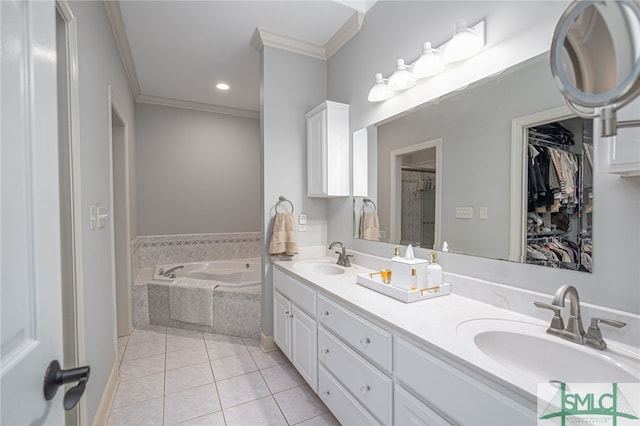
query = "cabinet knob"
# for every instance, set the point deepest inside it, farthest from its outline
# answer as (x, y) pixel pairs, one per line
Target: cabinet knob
(365, 341)
(324, 352)
(325, 394)
(365, 389)
(286, 314)
(324, 314)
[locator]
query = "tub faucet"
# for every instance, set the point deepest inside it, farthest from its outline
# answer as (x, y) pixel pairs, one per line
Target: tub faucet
(343, 257)
(169, 272)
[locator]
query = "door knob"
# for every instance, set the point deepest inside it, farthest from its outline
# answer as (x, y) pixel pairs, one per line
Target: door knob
(56, 377)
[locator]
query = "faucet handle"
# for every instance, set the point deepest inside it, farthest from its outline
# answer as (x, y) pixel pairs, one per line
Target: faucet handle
(594, 338)
(557, 324)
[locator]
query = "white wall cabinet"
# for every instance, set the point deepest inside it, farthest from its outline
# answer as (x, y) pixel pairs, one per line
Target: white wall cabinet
(623, 150)
(328, 150)
(294, 330)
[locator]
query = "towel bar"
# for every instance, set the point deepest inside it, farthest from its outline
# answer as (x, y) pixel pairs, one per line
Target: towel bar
(369, 200)
(281, 199)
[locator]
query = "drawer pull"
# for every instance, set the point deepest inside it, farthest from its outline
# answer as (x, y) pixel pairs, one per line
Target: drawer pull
(365, 389)
(325, 394)
(365, 341)
(324, 352)
(324, 314)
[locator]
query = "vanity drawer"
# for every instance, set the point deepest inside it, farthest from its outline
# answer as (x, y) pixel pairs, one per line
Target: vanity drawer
(409, 411)
(369, 386)
(370, 340)
(342, 405)
(300, 294)
(466, 399)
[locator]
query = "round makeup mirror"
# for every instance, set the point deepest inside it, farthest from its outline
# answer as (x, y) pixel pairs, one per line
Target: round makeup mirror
(595, 56)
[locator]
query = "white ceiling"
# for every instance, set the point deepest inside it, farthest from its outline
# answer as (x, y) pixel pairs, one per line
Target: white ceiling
(181, 49)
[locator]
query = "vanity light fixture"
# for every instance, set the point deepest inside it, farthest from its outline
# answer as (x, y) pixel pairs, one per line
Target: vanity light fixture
(464, 44)
(380, 91)
(429, 64)
(402, 79)
(223, 86)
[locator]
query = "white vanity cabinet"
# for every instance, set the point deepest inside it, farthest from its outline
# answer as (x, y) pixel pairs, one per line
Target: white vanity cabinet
(351, 350)
(294, 326)
(328, 150)
(463, 397)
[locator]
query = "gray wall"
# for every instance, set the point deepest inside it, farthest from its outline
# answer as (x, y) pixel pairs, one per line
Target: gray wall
(99, 66)
(291, 85)
(197, 172)
(515, 31)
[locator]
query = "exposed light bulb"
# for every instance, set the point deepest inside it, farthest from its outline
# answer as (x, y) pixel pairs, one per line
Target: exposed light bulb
(429, 64)
(402, 78)
(463, 45)
(380, 91)
(223, 86)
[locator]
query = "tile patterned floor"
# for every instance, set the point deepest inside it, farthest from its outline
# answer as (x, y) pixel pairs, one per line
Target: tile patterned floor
(172, 376)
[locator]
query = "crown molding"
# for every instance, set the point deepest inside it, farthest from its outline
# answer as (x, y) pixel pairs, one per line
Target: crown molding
(344, 34)
(262, 37)
(120, 34)
(198, 106)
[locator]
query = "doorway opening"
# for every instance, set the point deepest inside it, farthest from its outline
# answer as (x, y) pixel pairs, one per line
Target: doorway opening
(120, 221)
(70, 205)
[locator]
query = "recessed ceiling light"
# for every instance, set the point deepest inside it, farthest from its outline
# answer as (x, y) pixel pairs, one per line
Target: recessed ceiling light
(223, 86)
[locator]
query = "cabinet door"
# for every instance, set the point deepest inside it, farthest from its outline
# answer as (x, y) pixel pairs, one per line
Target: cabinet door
(408, 411)
(303, 346)
(317, 154)
(282, 323)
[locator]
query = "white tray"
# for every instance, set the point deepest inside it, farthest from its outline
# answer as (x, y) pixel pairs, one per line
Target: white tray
(406, 296)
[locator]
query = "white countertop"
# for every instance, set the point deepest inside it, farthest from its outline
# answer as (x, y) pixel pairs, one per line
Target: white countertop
(435, 322)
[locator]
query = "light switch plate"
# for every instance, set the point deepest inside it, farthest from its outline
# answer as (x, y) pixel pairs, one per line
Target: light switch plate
(464, 212)
(484, 212)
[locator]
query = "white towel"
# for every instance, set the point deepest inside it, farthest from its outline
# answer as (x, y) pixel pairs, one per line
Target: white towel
(283, 236)
(191, 301)
(370, 226)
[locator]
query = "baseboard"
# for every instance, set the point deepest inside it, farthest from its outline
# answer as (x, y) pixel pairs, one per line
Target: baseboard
(109, 394)
(267, 344)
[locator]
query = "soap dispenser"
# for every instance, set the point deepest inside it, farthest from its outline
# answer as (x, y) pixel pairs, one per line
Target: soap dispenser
(434, 272)
(396, 253)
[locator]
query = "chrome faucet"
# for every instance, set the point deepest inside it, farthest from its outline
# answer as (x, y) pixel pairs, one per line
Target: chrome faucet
(344, 259)
(574, 331)
(169, 272)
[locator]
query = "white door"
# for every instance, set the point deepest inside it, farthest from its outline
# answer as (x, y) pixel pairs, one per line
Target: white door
(29, 211)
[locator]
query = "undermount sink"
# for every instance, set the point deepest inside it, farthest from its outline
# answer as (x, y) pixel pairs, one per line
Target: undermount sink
(319, 268)
(525, 349)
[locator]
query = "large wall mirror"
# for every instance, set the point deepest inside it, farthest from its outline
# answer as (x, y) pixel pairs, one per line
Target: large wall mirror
(477, 170)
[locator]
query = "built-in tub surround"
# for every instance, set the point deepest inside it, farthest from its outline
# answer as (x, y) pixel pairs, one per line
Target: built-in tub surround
(149, 251)
(436, 323)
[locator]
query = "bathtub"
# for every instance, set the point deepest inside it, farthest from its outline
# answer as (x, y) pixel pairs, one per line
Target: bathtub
(229, 273)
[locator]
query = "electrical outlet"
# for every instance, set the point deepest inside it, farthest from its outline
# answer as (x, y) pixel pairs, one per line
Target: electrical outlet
(484, 212)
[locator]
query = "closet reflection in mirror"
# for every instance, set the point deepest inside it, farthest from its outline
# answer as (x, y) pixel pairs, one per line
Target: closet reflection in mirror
(479, 205)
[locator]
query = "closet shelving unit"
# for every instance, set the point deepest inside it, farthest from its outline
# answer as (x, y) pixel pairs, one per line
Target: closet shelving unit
(576, 239)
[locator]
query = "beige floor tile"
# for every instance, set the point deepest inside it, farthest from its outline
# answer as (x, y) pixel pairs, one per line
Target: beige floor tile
(241, 389)
(282, 377)
(171, 331)
(215, 419)
(260, 412)
(190, 403)
(137, 390)
(154, 347)
(325, 419)
(218, 350)
(231, 366)
(178, 343)
(300, 404)
(142, 413)
(186, 357)
(268, 359)
(188, 377)
(141, 367)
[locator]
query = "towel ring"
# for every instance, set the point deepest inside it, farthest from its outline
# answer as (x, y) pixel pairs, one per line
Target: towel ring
(370, 201)
(281, 200)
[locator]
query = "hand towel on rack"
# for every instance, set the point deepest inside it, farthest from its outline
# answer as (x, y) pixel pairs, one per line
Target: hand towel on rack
(370, 226)
(283, 235)
(191, 301)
